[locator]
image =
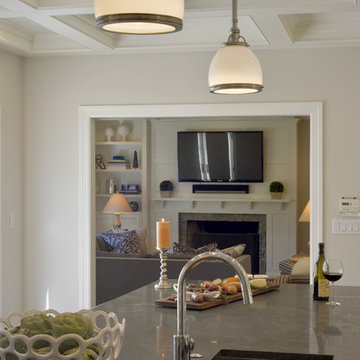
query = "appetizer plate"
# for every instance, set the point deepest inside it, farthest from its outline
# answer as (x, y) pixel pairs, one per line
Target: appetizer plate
(209, 296)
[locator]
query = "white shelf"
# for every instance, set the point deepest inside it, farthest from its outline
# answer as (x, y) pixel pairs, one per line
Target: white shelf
(118, 170)
(223, 201)
(120, 143)
(130, 196)
(134, 213)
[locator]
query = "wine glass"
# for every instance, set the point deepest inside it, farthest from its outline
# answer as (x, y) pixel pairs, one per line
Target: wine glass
(333, 271)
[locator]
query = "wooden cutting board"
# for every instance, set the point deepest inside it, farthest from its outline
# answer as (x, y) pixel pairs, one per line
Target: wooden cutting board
(168, 302)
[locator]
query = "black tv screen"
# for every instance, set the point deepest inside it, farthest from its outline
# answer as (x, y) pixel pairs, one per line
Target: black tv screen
(220, 156)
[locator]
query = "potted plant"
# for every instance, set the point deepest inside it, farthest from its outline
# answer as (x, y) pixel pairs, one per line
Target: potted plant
(166, 187)
(276, 189)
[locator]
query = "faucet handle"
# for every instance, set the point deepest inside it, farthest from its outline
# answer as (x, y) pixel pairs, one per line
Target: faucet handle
(191, 344)
(191, 347)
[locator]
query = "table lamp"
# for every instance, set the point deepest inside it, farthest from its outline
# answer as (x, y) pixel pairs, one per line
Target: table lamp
(117, 204)
(305, 215)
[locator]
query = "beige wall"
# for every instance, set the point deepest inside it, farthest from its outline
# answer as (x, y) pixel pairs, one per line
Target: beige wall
(56, 86)
(11, 250)
(279, 164)
(303, 184)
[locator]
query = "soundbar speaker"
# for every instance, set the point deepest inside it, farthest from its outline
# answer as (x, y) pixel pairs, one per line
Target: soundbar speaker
(220, 188)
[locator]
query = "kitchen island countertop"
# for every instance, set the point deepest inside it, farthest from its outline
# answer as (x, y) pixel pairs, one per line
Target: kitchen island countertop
(285, 320)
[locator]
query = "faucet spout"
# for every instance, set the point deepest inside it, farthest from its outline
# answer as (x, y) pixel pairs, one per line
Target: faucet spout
(182, 342)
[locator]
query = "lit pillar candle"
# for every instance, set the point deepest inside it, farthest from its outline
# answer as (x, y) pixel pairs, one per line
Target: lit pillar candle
(163, 234)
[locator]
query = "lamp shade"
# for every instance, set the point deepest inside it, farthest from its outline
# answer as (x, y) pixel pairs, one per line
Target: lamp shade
(235, 70)
(140, 16)
(305, 215)
(117, 204)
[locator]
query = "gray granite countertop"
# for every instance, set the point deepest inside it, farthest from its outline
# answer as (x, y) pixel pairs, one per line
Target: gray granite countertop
(286, 320)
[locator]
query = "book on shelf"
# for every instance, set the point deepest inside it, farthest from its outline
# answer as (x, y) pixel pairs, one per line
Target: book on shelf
(130, 189)
(117, 164)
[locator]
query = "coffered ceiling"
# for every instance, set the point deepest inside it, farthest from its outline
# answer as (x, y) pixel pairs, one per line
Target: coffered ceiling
(45, 27)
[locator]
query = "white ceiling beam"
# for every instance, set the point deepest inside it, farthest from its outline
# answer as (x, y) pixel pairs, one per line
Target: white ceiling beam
(77, 23)
(289, 5)
(55, 25)
(13, 38)
(273, 30)
(60, 27)
(57, 4)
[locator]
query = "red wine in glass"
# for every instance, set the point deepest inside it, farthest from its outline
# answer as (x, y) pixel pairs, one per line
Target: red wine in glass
(333, 271)
(333, 276)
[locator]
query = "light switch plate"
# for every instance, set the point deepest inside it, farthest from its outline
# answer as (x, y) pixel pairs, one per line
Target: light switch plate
(12, 221)
(346, 226)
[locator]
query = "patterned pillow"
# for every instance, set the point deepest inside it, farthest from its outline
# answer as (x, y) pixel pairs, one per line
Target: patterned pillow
(126, 242)
(234, 251)
(101, 244)
(187, 250)
(286, 266)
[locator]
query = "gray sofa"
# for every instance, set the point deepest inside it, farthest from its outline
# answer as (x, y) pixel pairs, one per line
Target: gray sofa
(117, 275)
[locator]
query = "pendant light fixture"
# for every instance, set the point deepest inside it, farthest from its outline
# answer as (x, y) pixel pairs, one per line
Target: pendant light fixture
(139, 16)
(235, 69)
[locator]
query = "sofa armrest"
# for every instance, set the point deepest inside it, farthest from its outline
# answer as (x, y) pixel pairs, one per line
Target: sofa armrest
(298, 279)
(245, 261)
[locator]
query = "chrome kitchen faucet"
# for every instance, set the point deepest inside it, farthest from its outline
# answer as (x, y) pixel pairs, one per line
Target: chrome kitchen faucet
(183, 344)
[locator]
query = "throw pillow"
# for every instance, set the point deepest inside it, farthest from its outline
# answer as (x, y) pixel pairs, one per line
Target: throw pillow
(101, 243)
(187, 250)
(234, 251)
(302, 267)
(126, 242)
(141, 234)
(286, 267)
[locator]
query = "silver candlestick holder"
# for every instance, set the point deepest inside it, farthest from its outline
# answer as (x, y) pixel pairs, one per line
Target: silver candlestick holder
(163, 284)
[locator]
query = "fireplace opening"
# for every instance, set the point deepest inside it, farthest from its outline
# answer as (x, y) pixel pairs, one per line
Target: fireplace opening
(226, 234)
(200, 229)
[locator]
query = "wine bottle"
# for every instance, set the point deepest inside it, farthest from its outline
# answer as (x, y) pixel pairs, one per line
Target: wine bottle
(321, 284)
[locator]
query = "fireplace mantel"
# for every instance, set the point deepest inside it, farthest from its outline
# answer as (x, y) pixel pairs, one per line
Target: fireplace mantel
(222, 201)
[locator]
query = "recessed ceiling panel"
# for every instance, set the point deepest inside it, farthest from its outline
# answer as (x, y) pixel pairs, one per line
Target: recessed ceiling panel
(198, 32)
(328, 27)
(25, 25)
(69, 25)
(29, 35)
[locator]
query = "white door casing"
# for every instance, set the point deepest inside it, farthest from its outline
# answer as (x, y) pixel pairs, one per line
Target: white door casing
(87, 114)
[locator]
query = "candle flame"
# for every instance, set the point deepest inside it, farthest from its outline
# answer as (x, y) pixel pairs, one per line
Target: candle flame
(162, 219)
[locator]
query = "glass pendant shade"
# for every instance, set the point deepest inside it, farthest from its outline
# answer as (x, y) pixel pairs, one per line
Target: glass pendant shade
(139, 16)
(235, 70)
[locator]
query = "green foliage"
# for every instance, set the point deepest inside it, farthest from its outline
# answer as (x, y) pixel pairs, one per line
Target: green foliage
(276, 186)
(67, 323)
(36, 324)
(73, 323)
(166, 185)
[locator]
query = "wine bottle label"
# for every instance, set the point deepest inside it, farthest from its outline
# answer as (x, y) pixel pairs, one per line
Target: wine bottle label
(323, 289)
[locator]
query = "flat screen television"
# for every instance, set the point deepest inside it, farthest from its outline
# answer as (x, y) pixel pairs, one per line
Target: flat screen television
(220, 156)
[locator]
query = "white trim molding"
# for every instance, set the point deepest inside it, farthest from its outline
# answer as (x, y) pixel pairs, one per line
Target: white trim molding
(2, 292)
(87, 114)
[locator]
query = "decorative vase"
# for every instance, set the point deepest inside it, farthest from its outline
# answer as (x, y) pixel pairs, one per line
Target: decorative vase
(123, 130)
(276, 195)
(109, 133)
(135, 161)
(165, 194)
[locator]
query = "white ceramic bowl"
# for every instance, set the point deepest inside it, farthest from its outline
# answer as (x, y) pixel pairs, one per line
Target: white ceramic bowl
(108, 336)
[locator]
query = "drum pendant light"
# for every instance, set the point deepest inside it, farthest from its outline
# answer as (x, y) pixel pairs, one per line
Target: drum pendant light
(139, 16)
(235, 69)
